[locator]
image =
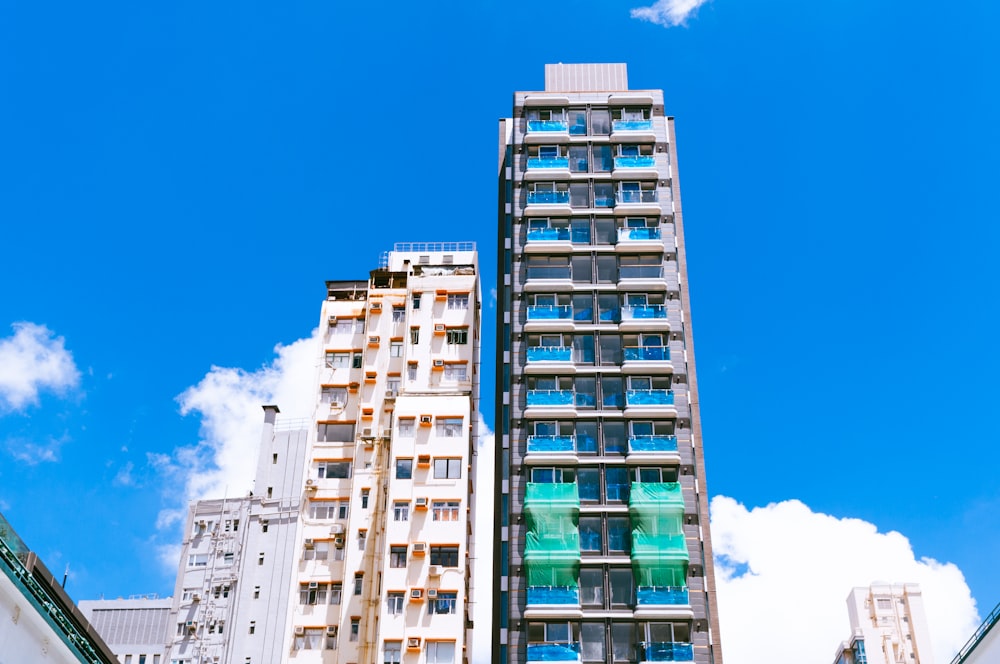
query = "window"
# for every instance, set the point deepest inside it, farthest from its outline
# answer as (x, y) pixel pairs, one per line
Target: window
(334, 469)
(397, 556)
(396, 349)
(358, 582)
(362, 538)
(394, 603)
(458, 300)
(393, 652)
(406, 427)
(356, 361)
(416, 300)
(445, 510)
(447, 469)
(312, 638)
(320, 551)
(449, 427)
(398, 314)
(313, 593)
(329, 509)
(393, 385)
(445, 603)
(444, 555)
(365, 493)
(334, 395)
(343, 326)
(336, 433)
(338, 360)
(458, 335)
(355, 628)
(456, 372)
(331, 637)
(414, 335)
(198, 560)
(411, 371)
(440, 652)
(401, 511)
(404, 469)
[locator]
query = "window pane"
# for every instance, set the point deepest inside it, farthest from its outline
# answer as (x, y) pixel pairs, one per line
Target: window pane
(590, 534)
(592, 636)
(589, 483)
(592, 587)
(578, 159)
(614, 440)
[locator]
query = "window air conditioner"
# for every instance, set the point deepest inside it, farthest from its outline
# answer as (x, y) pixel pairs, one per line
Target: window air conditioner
(300, 630)
(416, 593)
(331, 630)
(435, 570)
(191, 625)
(311, 484)
(310, 543)
(389, 394)
(337, 529)
(439, 327)
(373, 339)
(439, 363)
(338, 542)
(421, 502)
(432, 593)
(413, 642)
(419, 547)
(376, 306)
(313, 585)
(367, 432)
(196, 597)
(425, 419)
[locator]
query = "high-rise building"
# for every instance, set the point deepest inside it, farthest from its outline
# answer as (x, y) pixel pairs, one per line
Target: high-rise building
(354, 545)
(133, 628)
(604, 552)
(983, 647)
(888, 626)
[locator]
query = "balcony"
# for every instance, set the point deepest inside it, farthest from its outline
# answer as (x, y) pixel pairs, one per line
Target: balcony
(652, 444)
(549, 278)
(638, 234)
(651, 399)
(551, 444)
(640, 272)
(647, 354)
(549, 317)
(549, 197)
(553, 652)
(561, 163)
(631, 125)
(665, 652)
(547, 126)
(641, 161)
(546, 497)
(550, 398)
(649, 550)
(661, 596)
(644, 317)
(650, 497)
(637, 201)
(549, 235)
(556, 595)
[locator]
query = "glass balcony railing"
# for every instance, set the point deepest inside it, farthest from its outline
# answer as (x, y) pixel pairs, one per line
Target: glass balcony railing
(626, 234)
(585, 400)
(548, 234)
(661, 595)
(553, 595)
(557, 272)
(548, 197)
(548, 162)
(553, 652)
(550, 312)
(633, 196)
(641, 161)
(646, 353)
(640, 272)
(549, 444)
(631, 125)
(603, 201)
(652, 444)
(547, 125)
(649, 397)
(644, 311)
(666, 652)
(550, 398)
(550, 354)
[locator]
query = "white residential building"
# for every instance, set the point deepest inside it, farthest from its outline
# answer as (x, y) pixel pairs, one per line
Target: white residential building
(888, 626)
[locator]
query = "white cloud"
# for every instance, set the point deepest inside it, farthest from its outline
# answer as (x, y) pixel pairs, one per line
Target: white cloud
(228, 401)
(668, 13)
(124, 475)
(33, 453)
(493, 298)
(786, 565)
(31, 360)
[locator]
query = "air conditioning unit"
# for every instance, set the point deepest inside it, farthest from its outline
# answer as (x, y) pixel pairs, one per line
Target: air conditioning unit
(367, 432)
(420, 548)
(338, 542)
(310, 543)
(420, 503)
(331, 630)
(333, 321)
(337, 529)
(416, 593)
(192, 625)
(439, 363)
(300, 630)
(373, 340)
(336, 404)
(390, 394)
(432, 593)
(196, 597)
(435, 570)
(376, 306)
(439, 327)
(313, 585)
(413, 642)
(425, 419)
(311, 484)
(203, 523)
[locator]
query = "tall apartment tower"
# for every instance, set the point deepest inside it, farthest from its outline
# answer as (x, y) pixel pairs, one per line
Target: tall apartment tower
(354, 544)
(604, 552)
(888, 626)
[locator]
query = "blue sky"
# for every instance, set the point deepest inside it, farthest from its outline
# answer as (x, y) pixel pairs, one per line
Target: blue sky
(178, 179)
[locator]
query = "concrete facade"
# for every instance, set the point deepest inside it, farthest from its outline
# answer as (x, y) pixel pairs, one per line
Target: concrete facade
(888, 626)
(604, 552)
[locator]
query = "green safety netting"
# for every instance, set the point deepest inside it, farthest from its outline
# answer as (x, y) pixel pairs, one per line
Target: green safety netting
(656, 511)
(549, 497)
(552, 543)
(553, 574)
(671, 573)
(552, 537)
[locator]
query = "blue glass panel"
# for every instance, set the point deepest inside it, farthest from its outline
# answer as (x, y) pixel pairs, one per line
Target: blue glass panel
(583, 399)
(649, 397)
(549, 312)
(547, 125)
(637, 196)
(550, 397)
(648, 353)
(548, 162)
(653, 443)
(550, 354)
(635, 162)
(549, 234)
(553, 595)
(549, 272)
(614, 399)
(548, 197)
(667, 652)
(584, 314)
(631, 125)
(553, 652)
(604, 201)
(618, 537)
(661, 595)
(609, 316)
(586, 444)
(639, 272)
(642, 233)
(581, 235)
(550, 443)
(616, 481)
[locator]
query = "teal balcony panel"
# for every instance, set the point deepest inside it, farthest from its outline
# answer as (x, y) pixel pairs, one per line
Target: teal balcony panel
(649, 397)
(553, 652)
(658, 549)
(548, 234)
(666, 652)
(633, 196)
(551, 495)
(652, 444)
(641, 161)
(644, 311)
(655, 495)
(547, 125)
(625, 234)
(646, 353)
(548, 198)
(550, 444)
(661, 595)
(559, 595)
(631, 125)
(550, 398)
(550, 312)
(548, 162)
(550, 354)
